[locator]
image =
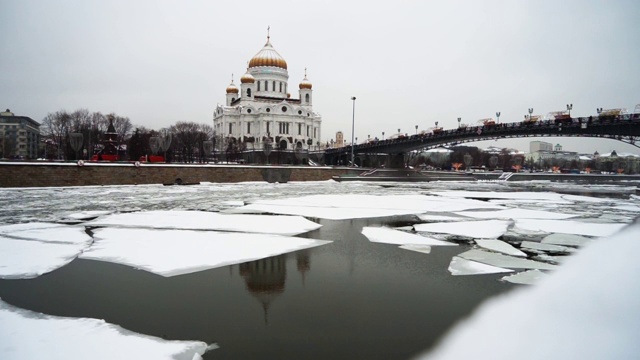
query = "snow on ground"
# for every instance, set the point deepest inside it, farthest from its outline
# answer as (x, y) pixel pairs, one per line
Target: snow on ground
(485, 229)
(580, 311)
(26, 259)
(26, 334)
(354, 206)
(566, 240)
(461, 266)
(529, 277)
(546, 247)
(495, 259)
(500, 246)
(391, 236)
(568, 227)
(177, 252)
(203, 220)
(516, 214)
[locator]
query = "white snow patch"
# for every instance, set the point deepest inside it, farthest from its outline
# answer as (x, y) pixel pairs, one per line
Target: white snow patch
(177, 252)
(501, 247)
(516, 214)
(391, 236)
(566, 240)
(529, 277)
(26, 259)
(500, 260)
(86, 215)
(461, 266)
(201, 220)
(569, 227)
(26, 334)
(486, 229)
(590, 303)
(425, 249)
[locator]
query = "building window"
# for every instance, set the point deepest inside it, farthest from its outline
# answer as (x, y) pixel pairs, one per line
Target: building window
(306, 98)
(248, 111)
(284, 109)
(280, 87)
(248, 128)
(233, 99)
(266, 85)
(258, 85)
(268, 128)
(268, 110)
(249, 92)
(274, 86)
(299, 112)
(308, 128)
(299, 129)
(230, 129)
(315, 133)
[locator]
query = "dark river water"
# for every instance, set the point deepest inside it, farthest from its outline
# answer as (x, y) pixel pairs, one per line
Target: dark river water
(351, 299)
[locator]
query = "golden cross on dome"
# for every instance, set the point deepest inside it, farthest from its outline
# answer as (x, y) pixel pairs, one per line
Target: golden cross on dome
(268, 29)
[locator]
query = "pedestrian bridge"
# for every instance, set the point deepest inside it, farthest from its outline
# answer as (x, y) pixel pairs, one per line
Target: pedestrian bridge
(625, 128)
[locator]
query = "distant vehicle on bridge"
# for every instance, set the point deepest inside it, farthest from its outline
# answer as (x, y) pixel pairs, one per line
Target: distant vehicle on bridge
(559, 117)
(487, 122)
(531, 119)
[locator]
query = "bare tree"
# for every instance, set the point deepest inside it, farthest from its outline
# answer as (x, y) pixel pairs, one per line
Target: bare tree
(56, 126)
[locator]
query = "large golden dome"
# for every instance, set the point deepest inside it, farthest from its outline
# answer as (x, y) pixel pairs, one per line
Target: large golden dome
(268, 56)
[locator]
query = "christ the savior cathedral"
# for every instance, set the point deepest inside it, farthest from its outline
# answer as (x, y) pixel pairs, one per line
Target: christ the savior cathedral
(262, 111)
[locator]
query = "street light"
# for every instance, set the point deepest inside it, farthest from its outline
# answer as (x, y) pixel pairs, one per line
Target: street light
(569, 107)
(599, 110)
(383, 135)
(498, 116)
(353, 124)
(459, 119)
(416, 129)
(530, 112)
(436, 124)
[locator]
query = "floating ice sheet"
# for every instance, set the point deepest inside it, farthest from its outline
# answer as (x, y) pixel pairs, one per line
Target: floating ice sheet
(501, 247)
(516, 214)
(201, 220)
(500, 260)
(433, 217)
(528, 277)
(390, 236)
(566, 240)
(461, 266)
(26, 259)
(87, 215)
(26, 334)
(546, 247)
(176, 252)
(353, 206)
(548, 196)
(425, 249)
(62, 234)
(600, 281)
(7, 229)
(485, 229)
(569, 227)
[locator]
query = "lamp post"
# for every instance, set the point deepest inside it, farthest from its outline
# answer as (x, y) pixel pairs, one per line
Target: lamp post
(416, 129)
(383, 135)
(459, 119)
(498, 116)
(569, 108)
(353, 124)
(436, 124)
(530, 112)
(599, 110)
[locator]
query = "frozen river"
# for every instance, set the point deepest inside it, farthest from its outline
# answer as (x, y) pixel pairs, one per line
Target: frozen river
(311, 270)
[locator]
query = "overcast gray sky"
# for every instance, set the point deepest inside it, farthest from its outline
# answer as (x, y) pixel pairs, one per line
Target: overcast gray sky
(407, 62)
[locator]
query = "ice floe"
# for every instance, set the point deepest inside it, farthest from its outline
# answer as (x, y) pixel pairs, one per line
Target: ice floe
(87, 215)
(26, 334)
(516, 214)
(558, 249)
(500, 260)
(425, 249)
(433, 217)
(483, 229)
(391, 236)
(568, 227)
(566, 240)
(548, 196)
(61, 234)
(592, 311)
(202, 220)
(26, 259)
(461, 266)
(529, 277)
(353, 206)
(177, 252)
(500, 246)
(6, 229)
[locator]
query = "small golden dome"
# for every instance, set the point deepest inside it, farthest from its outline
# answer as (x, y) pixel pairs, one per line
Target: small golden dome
(268, 56)
(305, 84)
(247, 79)
(232, 88)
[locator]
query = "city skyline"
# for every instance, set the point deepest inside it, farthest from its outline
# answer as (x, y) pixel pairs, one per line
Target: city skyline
(408, 64)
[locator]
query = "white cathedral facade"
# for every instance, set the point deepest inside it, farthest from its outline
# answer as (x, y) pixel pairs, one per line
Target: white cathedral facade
(262, 111)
